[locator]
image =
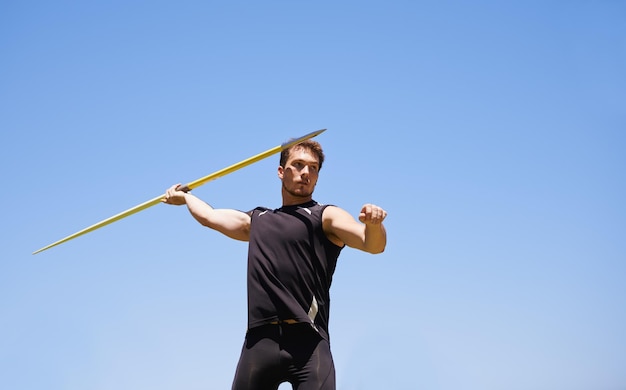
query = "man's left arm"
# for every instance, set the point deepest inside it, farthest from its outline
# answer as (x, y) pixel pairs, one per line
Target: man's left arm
(369, 235)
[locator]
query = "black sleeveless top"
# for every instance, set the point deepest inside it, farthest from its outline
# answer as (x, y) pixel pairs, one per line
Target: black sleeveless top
(290, 266)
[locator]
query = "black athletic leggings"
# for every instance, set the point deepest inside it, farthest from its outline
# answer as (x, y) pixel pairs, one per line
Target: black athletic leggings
(273, 354)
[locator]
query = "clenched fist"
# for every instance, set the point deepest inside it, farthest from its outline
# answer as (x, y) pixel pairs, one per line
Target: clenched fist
(372, 214)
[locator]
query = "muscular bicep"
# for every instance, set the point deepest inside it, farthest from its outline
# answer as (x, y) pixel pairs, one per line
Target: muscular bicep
(232, 223)
(341, 228)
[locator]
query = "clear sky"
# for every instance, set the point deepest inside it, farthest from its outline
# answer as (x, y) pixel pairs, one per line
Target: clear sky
(493, 133)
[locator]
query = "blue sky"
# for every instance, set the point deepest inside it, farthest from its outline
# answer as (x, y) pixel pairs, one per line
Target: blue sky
(492, 132)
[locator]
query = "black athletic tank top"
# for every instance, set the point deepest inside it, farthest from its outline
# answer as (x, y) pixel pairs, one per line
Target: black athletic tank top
(290, 266)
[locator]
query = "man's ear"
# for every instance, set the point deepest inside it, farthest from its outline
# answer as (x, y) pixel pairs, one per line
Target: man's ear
(281, 172)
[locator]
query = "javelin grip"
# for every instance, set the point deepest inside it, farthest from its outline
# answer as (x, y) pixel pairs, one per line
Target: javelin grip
(183, 188)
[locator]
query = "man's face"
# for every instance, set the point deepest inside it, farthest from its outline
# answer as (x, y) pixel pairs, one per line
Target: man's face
(300, 173)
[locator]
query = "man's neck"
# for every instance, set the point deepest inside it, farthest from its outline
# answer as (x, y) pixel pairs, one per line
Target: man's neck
(290, 200)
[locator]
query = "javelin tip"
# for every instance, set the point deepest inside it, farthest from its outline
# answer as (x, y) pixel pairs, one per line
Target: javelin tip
(294, 141)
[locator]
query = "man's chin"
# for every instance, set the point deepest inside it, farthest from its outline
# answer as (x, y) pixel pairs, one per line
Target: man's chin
(302, 194)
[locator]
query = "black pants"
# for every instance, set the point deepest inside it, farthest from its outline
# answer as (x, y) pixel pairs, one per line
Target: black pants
(273, 354)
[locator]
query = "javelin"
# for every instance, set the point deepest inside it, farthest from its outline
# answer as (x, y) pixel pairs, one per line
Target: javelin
(188, 187)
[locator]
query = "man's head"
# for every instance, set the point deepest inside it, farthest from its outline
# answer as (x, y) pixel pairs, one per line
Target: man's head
(298, 171)
(313, 146)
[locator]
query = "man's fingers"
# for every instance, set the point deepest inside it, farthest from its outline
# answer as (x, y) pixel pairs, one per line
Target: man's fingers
(372, 214)
(172, 197)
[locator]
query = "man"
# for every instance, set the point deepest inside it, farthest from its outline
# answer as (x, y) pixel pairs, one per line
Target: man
(292, 253)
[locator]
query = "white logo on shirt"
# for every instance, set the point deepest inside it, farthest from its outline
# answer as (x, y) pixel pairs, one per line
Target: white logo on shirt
(305, 209)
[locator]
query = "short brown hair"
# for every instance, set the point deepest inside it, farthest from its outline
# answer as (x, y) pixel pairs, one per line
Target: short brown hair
(308, 144)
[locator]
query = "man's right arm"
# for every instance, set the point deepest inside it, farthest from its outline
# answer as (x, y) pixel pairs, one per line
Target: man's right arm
(232, 223)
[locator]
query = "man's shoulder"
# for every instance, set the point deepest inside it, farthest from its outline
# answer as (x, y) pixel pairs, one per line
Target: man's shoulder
(258, 209)
(326, 208)
(331, 210)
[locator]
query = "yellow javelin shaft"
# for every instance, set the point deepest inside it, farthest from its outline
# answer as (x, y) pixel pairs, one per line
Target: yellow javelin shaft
(194, 184)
